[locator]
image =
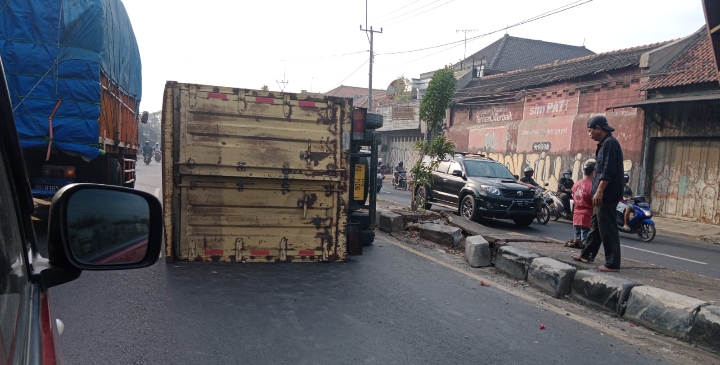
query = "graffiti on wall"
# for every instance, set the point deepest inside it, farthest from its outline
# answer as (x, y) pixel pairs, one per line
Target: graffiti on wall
(548, 167)
(499, 114)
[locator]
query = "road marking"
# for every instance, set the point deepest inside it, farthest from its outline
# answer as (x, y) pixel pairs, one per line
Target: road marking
(157, 193)
(537, 301)
(662, 254)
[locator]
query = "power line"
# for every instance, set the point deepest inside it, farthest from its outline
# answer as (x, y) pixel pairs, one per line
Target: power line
(412, 11)
(410, 17)
(537, 17)
(339, 55)
(394, 11)
(353, 73)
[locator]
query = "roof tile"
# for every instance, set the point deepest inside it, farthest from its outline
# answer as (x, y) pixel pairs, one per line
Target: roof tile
(695, 65)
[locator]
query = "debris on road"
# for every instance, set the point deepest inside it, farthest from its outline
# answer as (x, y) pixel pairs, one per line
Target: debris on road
(542, 326)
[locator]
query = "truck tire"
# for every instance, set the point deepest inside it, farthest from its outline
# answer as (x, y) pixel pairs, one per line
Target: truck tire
(362, 217)
(373, 121)
(115, 173)
(367, 237)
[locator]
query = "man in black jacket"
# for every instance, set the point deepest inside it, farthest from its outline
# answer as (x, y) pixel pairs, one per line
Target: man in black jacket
(607, 190)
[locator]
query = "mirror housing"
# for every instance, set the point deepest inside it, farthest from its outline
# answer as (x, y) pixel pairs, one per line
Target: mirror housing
(457, 173)
(101, 227)
(144, 117)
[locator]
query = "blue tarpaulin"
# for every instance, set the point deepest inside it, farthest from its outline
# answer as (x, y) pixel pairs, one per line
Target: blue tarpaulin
(58, 49)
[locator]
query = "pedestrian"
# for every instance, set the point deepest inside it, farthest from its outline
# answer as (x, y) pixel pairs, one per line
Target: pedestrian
(582, 196)
(607, 190)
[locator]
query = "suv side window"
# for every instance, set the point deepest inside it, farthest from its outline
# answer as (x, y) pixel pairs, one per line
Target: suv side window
(443, 167)
(13, 274)
(454, 166)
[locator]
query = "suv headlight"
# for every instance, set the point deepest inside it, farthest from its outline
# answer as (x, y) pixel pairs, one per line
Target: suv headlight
(490, 189)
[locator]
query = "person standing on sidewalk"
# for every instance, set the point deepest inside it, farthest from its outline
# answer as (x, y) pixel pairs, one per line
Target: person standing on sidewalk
(607, 190)
(582, 196)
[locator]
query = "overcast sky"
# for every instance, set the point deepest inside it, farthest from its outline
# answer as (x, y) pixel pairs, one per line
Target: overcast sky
(317, 44)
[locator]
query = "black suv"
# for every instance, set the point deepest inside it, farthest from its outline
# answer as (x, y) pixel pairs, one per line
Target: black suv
(479, 187)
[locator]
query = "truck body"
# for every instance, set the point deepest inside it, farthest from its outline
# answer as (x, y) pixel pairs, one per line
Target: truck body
(259, 176)
(74, 74)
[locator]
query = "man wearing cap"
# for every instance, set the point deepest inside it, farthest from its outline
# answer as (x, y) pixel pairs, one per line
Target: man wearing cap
(607, 190)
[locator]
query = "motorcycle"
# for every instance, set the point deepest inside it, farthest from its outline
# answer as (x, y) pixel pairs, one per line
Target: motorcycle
(401, 181)
(557, 209)
(640, 224)
(147, 159)
(542, 209)
(158, 156)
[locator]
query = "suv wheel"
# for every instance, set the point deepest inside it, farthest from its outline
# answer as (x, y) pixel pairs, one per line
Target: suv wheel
(468, 209)
(421, 196)
(524, 221)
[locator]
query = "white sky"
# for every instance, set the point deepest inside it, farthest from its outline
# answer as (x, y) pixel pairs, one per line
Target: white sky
(248, 44)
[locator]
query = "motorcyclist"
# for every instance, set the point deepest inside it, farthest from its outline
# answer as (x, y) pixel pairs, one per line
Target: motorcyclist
(527, 179)
(399, 169)
(147, 150)
(623, 207)
(157, 146)
(565, 189)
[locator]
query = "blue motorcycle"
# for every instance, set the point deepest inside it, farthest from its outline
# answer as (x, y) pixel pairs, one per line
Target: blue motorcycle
(640, 223)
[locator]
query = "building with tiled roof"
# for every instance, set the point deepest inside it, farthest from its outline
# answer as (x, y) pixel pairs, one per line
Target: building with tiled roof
(567, 70)
(359, 94)
(694, 66)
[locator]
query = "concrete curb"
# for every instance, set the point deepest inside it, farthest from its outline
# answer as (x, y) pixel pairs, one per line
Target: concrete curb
(477, 251)
(551, 276)
(391, 222)
(442, 234)
(514, 261)
(602, 291)
(666, 312)
(706, 329)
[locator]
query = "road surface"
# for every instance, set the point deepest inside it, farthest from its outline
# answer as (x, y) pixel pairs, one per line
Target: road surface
(389, 306)
(679, 253)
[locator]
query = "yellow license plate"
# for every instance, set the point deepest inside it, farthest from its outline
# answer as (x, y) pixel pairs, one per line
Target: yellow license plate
(359, 183)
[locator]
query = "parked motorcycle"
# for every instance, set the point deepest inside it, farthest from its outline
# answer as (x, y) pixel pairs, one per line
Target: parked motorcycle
(401, 181)
(640, 224)
(147, 158)
(158, 156)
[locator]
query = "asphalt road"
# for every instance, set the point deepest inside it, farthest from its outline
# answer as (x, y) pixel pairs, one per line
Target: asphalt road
(389, 306)
(673, 252)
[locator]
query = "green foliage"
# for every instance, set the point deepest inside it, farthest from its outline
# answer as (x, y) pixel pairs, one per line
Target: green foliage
(432, 111)
(438, 97)
(265, 88)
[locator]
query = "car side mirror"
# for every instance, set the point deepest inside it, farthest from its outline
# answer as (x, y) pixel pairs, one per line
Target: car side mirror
(144, 117)
(102, 227)
(457, 173)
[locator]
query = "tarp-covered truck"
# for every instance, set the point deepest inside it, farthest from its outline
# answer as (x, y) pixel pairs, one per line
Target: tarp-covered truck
(74, 75)
(258, 176)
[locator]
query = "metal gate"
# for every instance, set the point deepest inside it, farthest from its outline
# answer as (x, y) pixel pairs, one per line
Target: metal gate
(403, 149)
(685, 181)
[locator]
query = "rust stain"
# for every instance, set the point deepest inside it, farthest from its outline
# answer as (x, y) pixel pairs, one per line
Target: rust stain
(318, 221)
(311, 201)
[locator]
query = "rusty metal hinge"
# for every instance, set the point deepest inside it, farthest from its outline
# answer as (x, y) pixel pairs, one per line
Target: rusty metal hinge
(328, 190)
(193, 185)
(191, 163)
(305, 155)
(331, 170)
(303, 203)
(240, 186)
(241, 166)
(285, 187)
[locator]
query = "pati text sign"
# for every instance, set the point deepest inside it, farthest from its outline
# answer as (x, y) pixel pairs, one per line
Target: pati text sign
(550, 107)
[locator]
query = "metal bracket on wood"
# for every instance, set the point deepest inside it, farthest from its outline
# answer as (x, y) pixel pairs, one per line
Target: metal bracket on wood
(191, 163)
(240, 186)
(328, 190)
(285, 187)
(241, 166)
(193, 185)
(331, 170)
(286, 171)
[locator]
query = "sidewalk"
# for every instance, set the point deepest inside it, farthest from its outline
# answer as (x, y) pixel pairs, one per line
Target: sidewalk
(702, 231)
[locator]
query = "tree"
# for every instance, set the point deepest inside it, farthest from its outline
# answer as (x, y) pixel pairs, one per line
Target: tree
(432, 111)
(403, 87)
(265, 88)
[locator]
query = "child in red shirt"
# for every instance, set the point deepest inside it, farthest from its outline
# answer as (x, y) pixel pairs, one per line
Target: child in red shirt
(582, 197)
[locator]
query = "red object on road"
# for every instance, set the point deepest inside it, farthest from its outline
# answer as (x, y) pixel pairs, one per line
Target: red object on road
(632, 324)
(542, 326)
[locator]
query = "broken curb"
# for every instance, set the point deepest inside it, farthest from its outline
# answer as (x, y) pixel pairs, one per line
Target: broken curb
(477, 251)
(666, 312)
(514, 261)
(551, 276)
(442, 234)
(602, 291)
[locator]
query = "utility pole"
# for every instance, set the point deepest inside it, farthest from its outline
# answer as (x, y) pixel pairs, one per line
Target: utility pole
(372, 56)
(466, 31)
(283, 83)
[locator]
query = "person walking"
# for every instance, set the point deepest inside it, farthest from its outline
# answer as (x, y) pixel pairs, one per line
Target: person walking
(582, 196)
(607, 190)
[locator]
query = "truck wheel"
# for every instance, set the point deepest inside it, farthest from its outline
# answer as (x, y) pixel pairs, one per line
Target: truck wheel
(367, 237)
(115, 173)
(468, 208)
(362, 217)
(373, 121)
